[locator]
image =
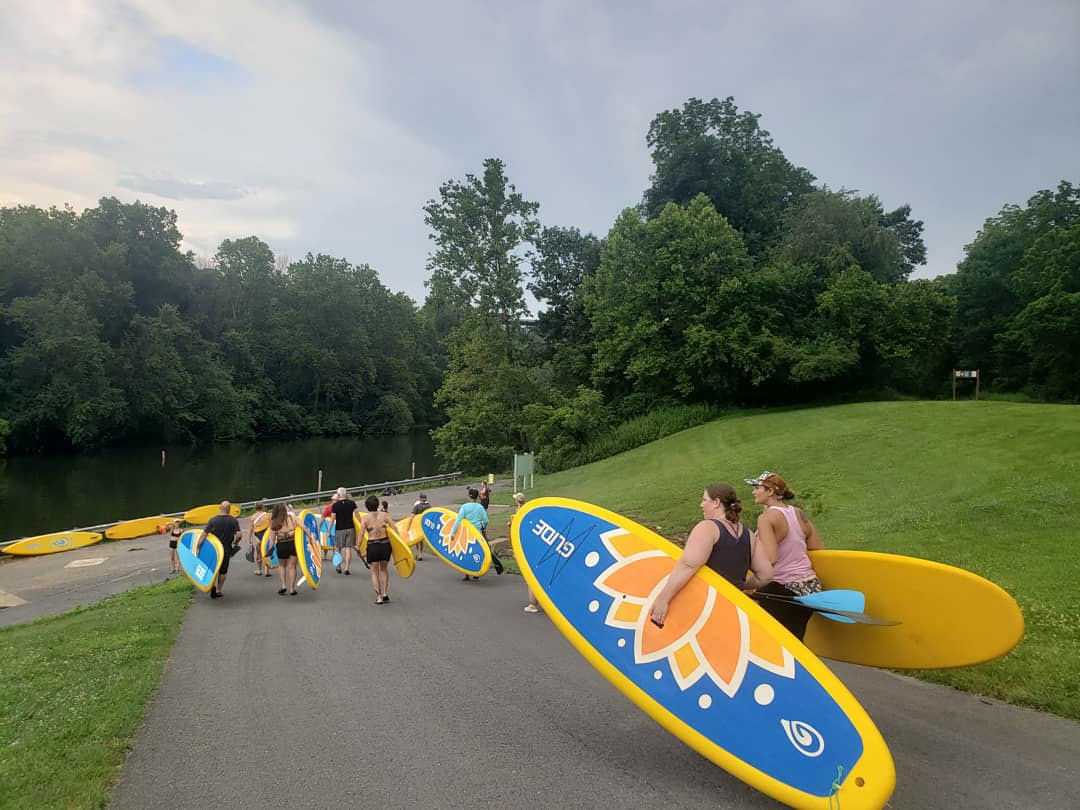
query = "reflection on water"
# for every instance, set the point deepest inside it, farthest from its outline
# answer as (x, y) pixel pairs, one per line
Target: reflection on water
(51, 493)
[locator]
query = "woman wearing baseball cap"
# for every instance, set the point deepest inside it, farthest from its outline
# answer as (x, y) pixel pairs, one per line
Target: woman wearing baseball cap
(787, 535)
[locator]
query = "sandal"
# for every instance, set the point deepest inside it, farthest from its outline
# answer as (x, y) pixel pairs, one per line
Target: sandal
(294, 593)
(282, 592)
(378, 601)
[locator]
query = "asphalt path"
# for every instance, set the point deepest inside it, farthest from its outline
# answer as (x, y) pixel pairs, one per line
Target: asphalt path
(451, 696)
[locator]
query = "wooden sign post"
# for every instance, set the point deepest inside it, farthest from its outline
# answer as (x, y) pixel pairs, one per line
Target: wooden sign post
(958, 374)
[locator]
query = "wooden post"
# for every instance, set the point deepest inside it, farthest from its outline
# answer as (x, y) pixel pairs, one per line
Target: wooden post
(318, 486)
(413, 475)
(954, 385)
(977, 376)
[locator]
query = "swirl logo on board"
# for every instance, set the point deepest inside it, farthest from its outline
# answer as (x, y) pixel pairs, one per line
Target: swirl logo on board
(806, 739)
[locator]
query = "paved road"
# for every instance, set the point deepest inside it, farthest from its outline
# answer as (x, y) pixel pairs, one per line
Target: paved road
(450, 696)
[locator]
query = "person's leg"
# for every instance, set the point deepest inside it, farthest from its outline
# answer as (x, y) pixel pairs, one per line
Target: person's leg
(346, 555)
(174, 560)
(532, 607)
(375, 584)
(384, 576)
(294, 576)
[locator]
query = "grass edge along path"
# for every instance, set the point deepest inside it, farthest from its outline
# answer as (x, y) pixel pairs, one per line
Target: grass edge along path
(992, 487)
(75, 688)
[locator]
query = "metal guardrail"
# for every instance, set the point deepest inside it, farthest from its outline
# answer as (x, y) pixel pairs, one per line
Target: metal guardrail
(362, 489)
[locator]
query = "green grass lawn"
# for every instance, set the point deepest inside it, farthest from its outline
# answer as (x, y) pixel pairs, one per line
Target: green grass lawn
(993, 487)
(75, 688)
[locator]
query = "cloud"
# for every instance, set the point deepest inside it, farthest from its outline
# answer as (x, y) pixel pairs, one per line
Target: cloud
(175, 189)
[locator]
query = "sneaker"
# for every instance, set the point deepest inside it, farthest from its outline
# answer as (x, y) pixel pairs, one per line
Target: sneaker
(532, 609)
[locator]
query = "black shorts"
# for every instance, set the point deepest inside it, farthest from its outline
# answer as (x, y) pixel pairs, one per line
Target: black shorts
(286, 549)
(172, 543)
(378, 551)
(224, 563)
(792, 615)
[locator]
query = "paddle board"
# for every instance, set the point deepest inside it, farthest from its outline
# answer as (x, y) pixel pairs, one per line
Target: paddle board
(327, 530)
(308, 554)
(203, 569)
(404, 561)
(721, 675)
(270, 558)
(948, 617)
(415, 534)
(466, 551)
(52, 543)
(202, 514)
(140, 527)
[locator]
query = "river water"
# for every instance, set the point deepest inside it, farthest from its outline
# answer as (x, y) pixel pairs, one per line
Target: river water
(41, 494)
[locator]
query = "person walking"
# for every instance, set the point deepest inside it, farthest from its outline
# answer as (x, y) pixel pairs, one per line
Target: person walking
(345, 538)
(374, 523)
(418, 508)
(283, 527)
(225, 528)
(519, 502)
(260, 523)
(174, 540)
(473, 512)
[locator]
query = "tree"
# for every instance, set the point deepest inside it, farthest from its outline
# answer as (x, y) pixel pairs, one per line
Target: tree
(987, 301)
(711, 148)
(665, 306)
(479, 227)
(565, 260)
(482, 230)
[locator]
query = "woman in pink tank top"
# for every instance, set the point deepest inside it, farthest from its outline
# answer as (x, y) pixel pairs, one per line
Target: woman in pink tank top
(787, 535)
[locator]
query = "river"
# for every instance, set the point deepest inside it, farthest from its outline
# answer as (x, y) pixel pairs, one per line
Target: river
(41, 494)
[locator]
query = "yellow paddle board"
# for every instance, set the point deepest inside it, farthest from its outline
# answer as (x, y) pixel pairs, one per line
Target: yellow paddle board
(948, 617)
(415, 534)
(404, 561)
(721, 674)
(52, 543)
(202, 514)
(139, 527)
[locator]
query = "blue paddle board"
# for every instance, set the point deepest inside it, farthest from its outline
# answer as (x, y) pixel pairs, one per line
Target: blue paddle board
(308, 552)
(203, 569)
(271, 559)
(465, 551)
(327, 531)
(721, 674)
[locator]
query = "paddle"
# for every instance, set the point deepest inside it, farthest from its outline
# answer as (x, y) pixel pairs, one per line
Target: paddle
(337, 559)
(828, 606)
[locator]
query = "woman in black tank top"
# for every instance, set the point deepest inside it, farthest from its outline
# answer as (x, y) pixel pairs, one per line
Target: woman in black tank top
(721, 542)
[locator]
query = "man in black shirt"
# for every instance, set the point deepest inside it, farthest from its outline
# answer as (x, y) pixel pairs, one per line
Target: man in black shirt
(225, 528)
(344, 533)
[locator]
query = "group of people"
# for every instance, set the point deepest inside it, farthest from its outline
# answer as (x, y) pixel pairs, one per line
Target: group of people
(772, 563)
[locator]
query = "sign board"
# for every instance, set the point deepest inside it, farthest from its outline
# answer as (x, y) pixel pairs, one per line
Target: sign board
(965, 374)
(524, 466)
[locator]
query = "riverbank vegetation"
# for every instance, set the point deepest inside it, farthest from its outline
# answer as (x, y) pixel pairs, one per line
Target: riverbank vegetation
(75, 690)
(739, 280)
(965, 483)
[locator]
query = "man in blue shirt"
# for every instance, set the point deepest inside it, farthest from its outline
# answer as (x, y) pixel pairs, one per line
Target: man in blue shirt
(478, 517)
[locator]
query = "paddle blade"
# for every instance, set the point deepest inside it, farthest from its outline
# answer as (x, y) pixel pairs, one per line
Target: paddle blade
(337, 558)
(851, 601)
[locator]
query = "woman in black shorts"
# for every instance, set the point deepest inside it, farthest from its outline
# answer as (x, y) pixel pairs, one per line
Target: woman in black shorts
(283, 538)
(378, 548)
(174, 539)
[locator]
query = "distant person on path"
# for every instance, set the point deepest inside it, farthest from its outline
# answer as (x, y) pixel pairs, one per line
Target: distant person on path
(418, 509)
(787, 535)
(225, 528)
(378, 548)
(174, 540)
(485, 494)
(283, 538)
(519, 501)
(260, 523)
(722, 542)
(345, 538)
(473, 512)
(328, 511)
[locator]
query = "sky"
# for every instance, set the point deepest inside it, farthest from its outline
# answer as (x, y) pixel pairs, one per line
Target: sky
(325, 127)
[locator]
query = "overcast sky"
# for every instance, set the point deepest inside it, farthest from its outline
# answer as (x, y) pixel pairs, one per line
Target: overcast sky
(325, 127)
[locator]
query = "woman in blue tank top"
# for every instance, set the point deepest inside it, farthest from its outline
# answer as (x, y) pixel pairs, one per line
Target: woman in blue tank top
(721, 542)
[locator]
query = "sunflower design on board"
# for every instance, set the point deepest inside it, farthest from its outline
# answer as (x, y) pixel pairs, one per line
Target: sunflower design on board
(704, 633)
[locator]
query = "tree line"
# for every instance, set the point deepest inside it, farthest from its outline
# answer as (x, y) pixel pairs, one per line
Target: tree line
(737, 280)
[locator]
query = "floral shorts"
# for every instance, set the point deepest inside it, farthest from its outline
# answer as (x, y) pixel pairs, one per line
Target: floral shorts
(804, 587)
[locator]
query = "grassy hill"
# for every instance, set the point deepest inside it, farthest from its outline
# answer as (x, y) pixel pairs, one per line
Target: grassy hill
(992, 487)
